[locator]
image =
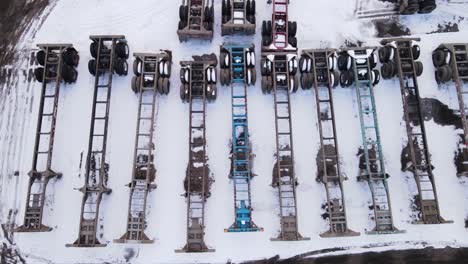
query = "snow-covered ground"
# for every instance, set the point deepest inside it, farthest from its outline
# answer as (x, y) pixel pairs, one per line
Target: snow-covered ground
(150, 25)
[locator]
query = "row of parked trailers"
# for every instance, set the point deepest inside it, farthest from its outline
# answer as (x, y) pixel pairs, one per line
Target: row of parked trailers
(280, 71)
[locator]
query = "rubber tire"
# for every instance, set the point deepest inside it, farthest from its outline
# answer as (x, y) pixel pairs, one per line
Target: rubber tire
(387, 70)
(269, 28)
(122, 50)
(182, 25)
(384, 54)
(40, 57)
(416, 50)
(121, 67)
(183, 96)
(92, 67)
(183, 14)
(373, 60)
(412, 8)
(93, 49)
(253, 8)
(39, 74)
(69, 74)
(292, 41)
(343, 62)
(443, 74)
(266, 40)
(166, 86)
(136, 84)
(439, 57)
(292, 28)
(418, 68)
(137, 63)
(71, 57)
(427, 6)
(377, 77)
(346, 78)
(253, 75)
(223, 8)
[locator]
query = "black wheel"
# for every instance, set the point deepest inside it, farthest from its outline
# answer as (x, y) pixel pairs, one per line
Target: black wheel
(302, 64)
(122, 50)
(40, 57)
(223, 8)
(208, 26)
(427, 6)
(373, 60)
(69, 74)
(294, 83)
(183, 13)
(93, 49)
(443, 74)
(253, 8)
(136, 84)
(418, 68)
(137, 66)
(228, 9)
(206, 12)
(121, 67)
(292, 41)
(252, 76)
(266, 40)
(413, 7)
(334, 79)
(387, 70)
(264, 84)
(184, 92)
(292, 66)
(311, 80)
(346, 78)
(439, 57)
(166, 86)
(303, 81)
(224, 60)
(264, 28)
(292, 28)
(71, 57)
(416, 50)
(159, 85)
(375, 77)
(92, 66)
(182, 24)
(39, 74)
(344, 62)
(386, 54)
(269, 28)
(270, 83)
(184, 75)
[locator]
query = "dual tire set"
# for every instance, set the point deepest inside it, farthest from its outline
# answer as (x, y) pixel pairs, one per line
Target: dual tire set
(306, 67)
(267, 33)
(410, 7)
(70, 59)
(120, 66)
(249, 74)
(210, 84)
(442, 60)
(226, 9)
(347, 76)
(208, 16)
(162, 83)
(389, 67)
(268, 83)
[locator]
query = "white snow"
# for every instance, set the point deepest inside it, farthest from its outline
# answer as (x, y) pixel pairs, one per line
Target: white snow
(150, 26)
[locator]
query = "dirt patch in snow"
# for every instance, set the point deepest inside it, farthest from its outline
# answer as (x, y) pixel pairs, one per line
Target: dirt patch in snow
(414, 256)
(390, 28)
(15, 18)
(446, 27)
